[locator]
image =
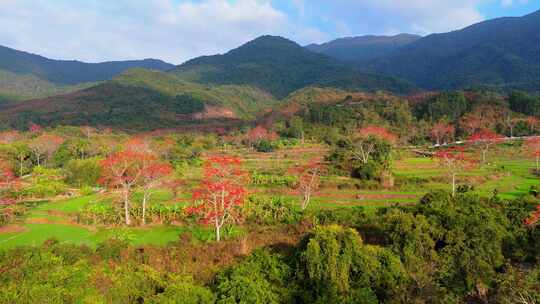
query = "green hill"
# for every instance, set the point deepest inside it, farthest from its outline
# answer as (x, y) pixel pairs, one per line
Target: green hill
(141, 100)
(64, 72)
(14, 87)
(280, 67)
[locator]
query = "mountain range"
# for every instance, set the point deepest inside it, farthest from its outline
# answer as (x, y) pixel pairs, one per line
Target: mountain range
(502, 53)
(499, 54)
(280, 67)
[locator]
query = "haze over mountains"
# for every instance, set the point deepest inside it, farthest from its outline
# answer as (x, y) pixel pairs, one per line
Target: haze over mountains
(502, 54)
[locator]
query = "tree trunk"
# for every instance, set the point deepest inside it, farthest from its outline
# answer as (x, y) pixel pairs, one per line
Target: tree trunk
(126, 205)
(484, 152)
(21, 166)
(305, 201)
(218, 230)
(144, 209)
(453, 184)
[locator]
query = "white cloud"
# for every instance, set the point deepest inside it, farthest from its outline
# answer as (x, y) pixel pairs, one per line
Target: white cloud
(418, 16)
(123, 29)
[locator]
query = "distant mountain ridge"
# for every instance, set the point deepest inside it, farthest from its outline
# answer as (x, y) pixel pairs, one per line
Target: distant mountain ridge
(281, 66)
(62, 72)
(361, 48)
(498, 53)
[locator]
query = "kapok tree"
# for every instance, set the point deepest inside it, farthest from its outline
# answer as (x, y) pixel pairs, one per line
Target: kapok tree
(45, 145)
(9, 137)
(454, 161)
(365, 141)
(309, 180)
(484, 138)
(153, 173)
(34, 128)
(221, 191)
(534, 217)
(533, 123)
(7, 177)
(442, 131)
(470, 123)
(123, 169)
(260, 133)
(533, 147)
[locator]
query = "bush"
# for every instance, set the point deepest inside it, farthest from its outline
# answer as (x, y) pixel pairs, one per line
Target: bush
(264, 146)
(83, 172)
(263, 278)
(270, 211)
(265, 179)
(45, 183)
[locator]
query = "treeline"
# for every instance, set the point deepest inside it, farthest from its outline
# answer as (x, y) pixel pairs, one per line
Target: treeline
(445, 249)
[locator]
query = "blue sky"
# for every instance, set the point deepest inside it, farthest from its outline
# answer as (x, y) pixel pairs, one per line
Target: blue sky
(178, 30)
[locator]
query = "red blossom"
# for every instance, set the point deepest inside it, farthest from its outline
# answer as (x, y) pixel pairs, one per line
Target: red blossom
(34, 128)
(454, 160)
(533, 147)
(309, 179)
(442, 131)
(534, 217)
(45, 145)
(485, 138)
(220, 192)
(378, 132)
(9, 137)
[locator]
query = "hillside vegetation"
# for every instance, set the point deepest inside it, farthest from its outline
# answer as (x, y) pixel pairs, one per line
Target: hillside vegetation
(14, 87)
(140, 99)
(280, 67)
(499, 53)
(359, 49)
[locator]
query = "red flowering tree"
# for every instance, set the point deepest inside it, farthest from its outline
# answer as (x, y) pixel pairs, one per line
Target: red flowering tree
(471, 122)
(7, 177)
(365, 142)
(8, 137)
(309, 180)
(124, 170)
(533, 147)
(454, 161)
(442, 131)
(533, 123)
(45, 145)
(260, 133)
(534, 217)
(221, 191)
(484, 138)
(34, 128)
(152, 175)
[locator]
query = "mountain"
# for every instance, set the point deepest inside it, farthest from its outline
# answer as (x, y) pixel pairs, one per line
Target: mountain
(498, 53)
(358, 49)
(62, 72)
(280, 66)
(15, 87)
(140, 99)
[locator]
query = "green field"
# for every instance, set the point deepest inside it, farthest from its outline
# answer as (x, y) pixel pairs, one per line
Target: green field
(510, 176)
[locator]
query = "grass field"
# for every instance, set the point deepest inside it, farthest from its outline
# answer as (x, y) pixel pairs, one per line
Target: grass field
(509, 174)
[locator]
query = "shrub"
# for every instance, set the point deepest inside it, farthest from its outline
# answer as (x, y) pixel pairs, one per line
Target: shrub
(270, 211)
(264, 146)
(83, 172)
(263, 278)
